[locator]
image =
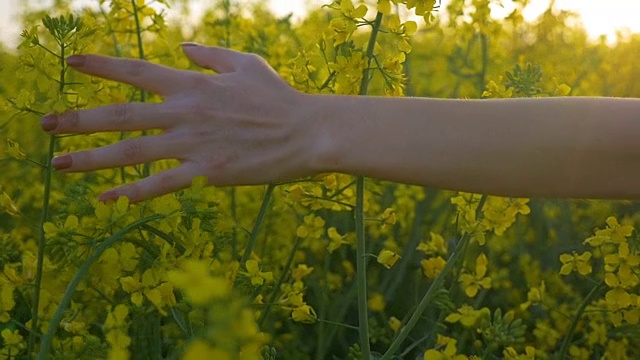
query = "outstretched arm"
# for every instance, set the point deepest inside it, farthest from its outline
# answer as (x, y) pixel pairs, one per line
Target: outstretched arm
(575, 147)
(247, 126)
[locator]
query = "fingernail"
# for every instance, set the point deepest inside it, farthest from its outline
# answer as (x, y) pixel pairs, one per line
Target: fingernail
(189, 44)
(108, 196)
(49, 122)
(61, 162)
(76, 60)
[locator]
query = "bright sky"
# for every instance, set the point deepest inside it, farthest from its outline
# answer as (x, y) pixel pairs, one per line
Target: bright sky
(600, 18)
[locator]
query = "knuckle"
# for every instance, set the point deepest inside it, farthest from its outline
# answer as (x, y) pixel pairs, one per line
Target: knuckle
(251, 60)
(69, 121)
(132, 191)
(217, 165)
(121, 114)
(83, 160)
(199, 82)
(202, 111)
(136, 68)
(165, 183)
(131, 149)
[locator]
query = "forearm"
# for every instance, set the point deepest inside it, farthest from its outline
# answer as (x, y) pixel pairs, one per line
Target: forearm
(546, 147)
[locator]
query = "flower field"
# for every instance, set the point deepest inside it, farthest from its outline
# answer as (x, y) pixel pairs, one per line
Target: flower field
(329, 267)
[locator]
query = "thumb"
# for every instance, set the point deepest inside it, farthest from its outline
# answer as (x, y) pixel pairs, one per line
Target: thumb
(214, 58)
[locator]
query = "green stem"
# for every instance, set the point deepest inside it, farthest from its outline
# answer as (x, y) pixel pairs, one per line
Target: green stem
(256, 226)
(347, 326)
(456, 256)
(361, 265)
(83, 271)
(41, 248)
(426, 300)
(361, 261)
(146, 168)
(276, 288)
(574, 322)
(234, 216)
(44, 216)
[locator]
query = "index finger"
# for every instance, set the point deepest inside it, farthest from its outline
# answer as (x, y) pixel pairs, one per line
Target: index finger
(155, 78)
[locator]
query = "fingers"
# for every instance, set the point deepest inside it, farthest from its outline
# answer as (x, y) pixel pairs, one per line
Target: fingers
(214, 58)
(158, 79)
(127, 152)
(159, 184)
(116, 117)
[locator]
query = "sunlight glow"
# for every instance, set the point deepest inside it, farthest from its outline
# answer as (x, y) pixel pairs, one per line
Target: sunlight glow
(599, 17)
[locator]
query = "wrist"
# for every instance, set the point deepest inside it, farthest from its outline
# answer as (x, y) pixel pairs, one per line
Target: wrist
(326, 132)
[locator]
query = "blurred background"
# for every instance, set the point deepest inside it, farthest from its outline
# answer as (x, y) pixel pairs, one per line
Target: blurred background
(598, 17)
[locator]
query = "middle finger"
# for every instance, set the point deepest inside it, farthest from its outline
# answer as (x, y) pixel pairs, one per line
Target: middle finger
(116, 117)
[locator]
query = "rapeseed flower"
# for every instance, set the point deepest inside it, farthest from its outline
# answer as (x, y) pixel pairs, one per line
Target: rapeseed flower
(580, 263)
(388, 258)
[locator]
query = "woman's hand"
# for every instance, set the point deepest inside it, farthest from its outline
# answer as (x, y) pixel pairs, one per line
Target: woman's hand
(243, 126)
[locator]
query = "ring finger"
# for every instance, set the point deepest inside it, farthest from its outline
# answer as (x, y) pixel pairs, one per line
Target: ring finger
(127, 152)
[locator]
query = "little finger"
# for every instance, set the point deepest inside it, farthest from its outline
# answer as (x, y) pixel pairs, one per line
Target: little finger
(153, 186)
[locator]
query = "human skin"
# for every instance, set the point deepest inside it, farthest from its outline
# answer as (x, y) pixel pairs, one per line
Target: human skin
(245, 125)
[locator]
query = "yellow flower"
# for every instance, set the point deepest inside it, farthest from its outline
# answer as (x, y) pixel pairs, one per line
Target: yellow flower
(11, 337)
(118, 339)
(198, 285)
(132, 286)
(304, 314)
(384, 6)
(579, 263)
(13, 150)
(335, 239)
(388, 258)
(450, 352)
(199, 350)
(376, 302)
(432, 267)
(511, 353)
(468, 316)
(301, 271)
(117, 317)
(8, 205)
(128, 256)
(312, 227)
(436, 245)
(257, 277)
(534, 296)
(388, 216)
(472, 283)
(625, 263)
(614, 233)
(7, 301)
(161, 297)
(348, 10)
(394, 324)
(70, 224)
(617, 298)
(577, 352)
(349, 72)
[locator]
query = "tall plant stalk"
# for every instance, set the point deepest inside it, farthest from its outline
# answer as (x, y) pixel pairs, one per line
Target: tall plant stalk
(44, 215)
(437, 284)
(146, 168)
(361, 261)
(258, 224)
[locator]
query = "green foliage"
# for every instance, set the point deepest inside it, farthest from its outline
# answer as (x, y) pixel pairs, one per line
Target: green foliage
(525, 81)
